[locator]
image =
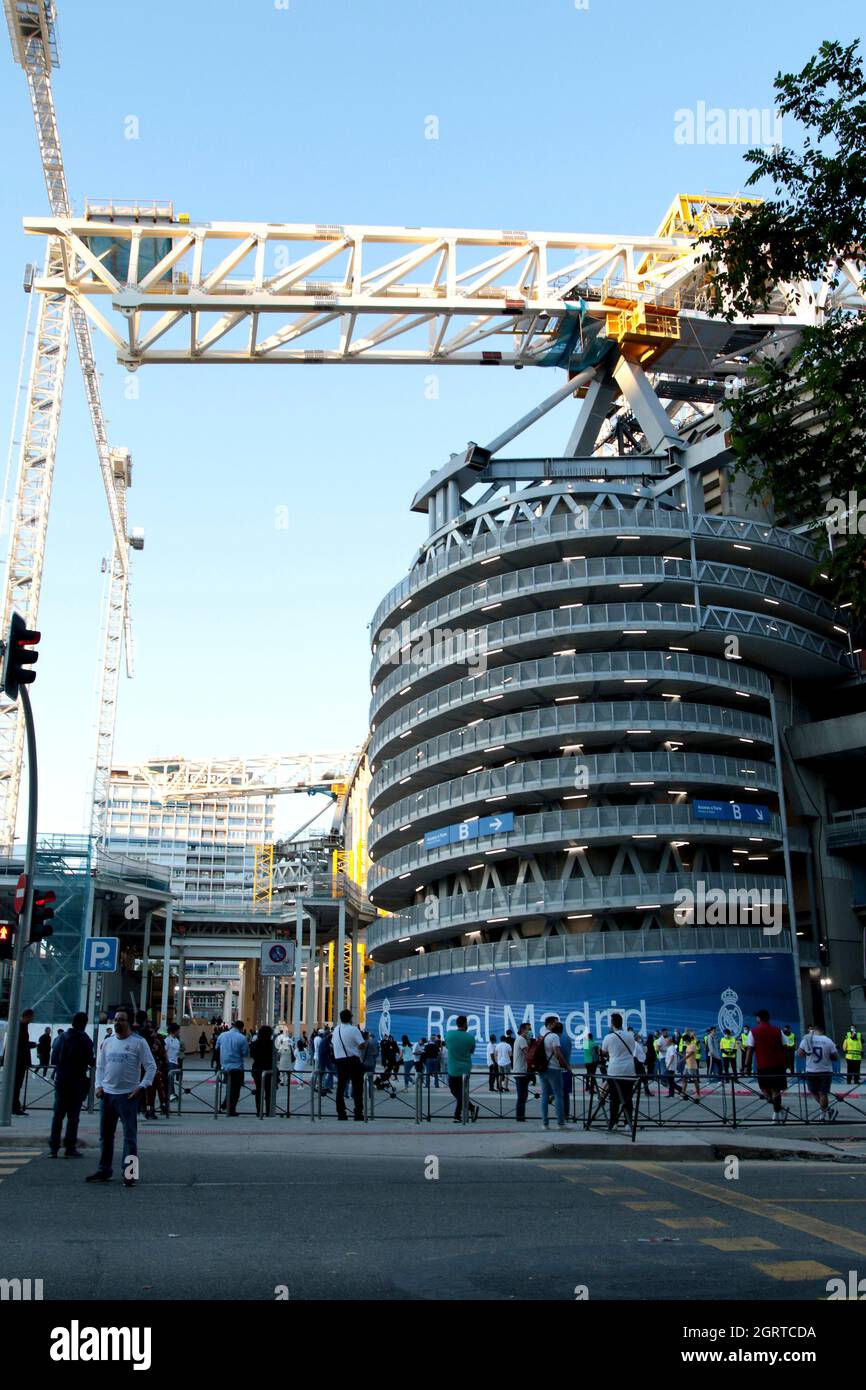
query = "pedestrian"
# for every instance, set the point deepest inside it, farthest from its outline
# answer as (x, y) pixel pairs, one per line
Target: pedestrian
(390, 1065)
(790, 1040)
(714, 1055)
(431, 1059)
(174, 1048)
(820, 1052)
(852, 1047)
(520, 1070)
(43, 1051)
(349, 1046)
(202, 1045)
(728, 1049)
(407, 1057)
(22, 1060)
(550, 1064)
(262, 1055)
(671, 1058)
(74, 1060)
(492, 1069)
(503, 1062)
(765, 1044)
(691, 1064)
(640, 1065)
(232, 1048)
(125, 1063)
(326, 1062)
(590, 1056)
(743, 1042)
(459, 1046)
(651, 1057)
(55, 1052)
(622, 1050)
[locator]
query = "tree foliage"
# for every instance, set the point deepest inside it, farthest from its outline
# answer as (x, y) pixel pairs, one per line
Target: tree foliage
(798, 426)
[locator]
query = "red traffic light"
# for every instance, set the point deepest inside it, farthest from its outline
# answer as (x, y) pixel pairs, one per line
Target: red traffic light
(40, 924)
(19, 656)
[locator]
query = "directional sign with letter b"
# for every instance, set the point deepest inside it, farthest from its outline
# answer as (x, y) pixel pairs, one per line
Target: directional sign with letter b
(100, 953)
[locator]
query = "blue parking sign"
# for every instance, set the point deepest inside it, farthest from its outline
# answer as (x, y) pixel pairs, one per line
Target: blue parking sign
(101, 952)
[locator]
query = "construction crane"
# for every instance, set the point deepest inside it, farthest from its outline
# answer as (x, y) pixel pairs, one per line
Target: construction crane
(32, 30)
(297, 293)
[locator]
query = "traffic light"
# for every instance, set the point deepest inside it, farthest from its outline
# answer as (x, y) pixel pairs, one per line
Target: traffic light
(7, 941)
(18, 656)
(40, 922)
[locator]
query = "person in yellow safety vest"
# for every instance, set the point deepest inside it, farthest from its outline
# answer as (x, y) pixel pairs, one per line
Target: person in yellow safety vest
(852, 1046)
(728, 1045)
(744, 1044)
(790, 1042)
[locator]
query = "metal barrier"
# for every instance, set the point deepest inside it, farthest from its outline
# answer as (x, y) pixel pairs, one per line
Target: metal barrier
(727, 1102)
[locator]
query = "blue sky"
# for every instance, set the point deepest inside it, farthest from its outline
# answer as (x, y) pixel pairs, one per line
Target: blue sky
(550, 117)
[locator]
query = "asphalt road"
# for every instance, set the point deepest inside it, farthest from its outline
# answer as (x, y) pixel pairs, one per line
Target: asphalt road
(239, 1225)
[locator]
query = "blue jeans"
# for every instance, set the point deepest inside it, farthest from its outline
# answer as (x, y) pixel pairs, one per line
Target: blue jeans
(408, 1070)
(551, 1085)
(432, 1069)
(112, 1109)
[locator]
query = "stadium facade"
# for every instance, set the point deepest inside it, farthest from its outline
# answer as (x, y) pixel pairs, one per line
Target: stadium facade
(614, 715)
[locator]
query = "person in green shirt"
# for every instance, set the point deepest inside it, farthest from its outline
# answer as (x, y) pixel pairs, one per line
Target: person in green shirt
(590, 1055)
(460, 1045)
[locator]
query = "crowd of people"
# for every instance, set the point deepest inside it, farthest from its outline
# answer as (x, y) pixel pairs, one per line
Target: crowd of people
(135, 1061)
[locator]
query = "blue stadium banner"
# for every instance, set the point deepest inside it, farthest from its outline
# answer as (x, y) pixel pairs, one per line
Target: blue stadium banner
(685, 991)
(732, 810)
(476, 829)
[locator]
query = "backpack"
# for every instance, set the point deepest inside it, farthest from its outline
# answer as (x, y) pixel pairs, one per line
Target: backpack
(536, 1056)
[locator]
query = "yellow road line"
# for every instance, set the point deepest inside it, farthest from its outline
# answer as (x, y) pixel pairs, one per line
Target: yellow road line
(791, 1271)
(794, 1220)
(619, 1191)
(690, 1223)
(732, 1244)
(652, 1206)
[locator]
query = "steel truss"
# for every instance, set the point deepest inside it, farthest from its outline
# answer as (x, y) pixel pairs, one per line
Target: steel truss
(395, 294)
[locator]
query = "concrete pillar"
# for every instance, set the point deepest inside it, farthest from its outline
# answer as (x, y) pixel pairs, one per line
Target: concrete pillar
(323, 1003)
(166, 967)
(299, 956)
(179, 1007)
(310, 993)
(340, 962)
(145, 960)
(356, 972)
(227, 1004)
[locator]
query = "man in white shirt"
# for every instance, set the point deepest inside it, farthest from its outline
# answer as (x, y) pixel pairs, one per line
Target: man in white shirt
(503, 1062)
(348, 1043)
(820, 1053)
(671, 1058)
(521, 1070)
(621, 1049)
(550, 1078)
(121, 1060)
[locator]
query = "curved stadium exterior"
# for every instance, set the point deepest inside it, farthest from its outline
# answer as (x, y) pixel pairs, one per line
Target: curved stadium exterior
(572, 728)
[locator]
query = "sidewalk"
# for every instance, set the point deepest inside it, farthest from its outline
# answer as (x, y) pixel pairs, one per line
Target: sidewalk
(201, 1133)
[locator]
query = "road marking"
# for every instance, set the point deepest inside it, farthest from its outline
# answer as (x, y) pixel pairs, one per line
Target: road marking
(731, 1244)
(836, 1201)
(690, 1223)
(794, 1220)
(562, 1163)
(652, 1206)
(790, 1271)
(619, 1191)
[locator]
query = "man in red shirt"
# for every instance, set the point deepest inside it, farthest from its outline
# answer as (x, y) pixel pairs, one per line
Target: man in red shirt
(767, 1046)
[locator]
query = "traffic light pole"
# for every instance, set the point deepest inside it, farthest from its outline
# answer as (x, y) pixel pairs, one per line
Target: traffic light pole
(22, 935)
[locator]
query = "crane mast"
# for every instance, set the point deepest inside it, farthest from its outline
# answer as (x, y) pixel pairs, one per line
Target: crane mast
(32, 30)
